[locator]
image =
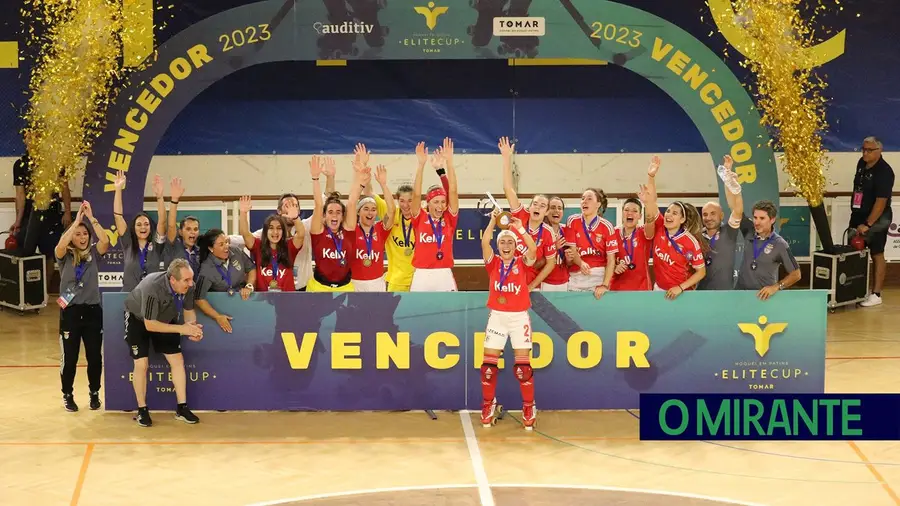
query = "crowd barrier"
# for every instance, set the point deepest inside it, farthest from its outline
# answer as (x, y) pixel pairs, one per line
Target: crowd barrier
(422, 351)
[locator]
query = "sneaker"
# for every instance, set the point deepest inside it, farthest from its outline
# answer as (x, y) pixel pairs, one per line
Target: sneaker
(184, 414)
(529, 415)
(489, 413)
(69, 403)
(871, 300)
(143, 417)
(95, 401)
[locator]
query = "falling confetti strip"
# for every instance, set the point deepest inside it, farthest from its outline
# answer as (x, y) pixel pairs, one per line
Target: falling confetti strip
(787, 91)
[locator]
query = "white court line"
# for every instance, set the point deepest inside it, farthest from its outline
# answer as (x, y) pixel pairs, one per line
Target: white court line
(484, 487)
(505, 485)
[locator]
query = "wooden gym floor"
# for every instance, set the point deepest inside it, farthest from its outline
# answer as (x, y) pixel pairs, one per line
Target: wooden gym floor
(50, 457)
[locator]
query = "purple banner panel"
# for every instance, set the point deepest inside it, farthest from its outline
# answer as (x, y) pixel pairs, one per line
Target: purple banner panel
(386, 351)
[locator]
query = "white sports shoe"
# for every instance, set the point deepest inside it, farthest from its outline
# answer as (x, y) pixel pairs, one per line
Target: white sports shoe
(871, 300)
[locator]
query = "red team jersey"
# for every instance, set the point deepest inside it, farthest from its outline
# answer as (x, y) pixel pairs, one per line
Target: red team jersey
(670, 266)
(360, 254)
(560, 274)
(635, 249)
(593, 249)
(425, 253)
(327, 257)
(514, 288)
(264, 272)
(543, 239)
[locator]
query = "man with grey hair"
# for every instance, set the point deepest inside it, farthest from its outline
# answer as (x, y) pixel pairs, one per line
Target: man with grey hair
(153, 311)
(870, 212)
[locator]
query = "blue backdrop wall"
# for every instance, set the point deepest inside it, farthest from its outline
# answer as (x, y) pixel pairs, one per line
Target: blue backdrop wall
(299, 108)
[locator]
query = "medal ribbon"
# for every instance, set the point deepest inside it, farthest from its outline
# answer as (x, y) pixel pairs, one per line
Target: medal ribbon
(338, 242)
(190, 257)
(437, 230)
(712, 245)
(80, 269)
(275, 266)
(142, 256)
(587, 229)
(226, 273)
(626, 242)
(504, 275)
(560, 252)
(406, 231)
(672, 241)
(540, 233)
(368, 239)
(756, 251)
(179, 301)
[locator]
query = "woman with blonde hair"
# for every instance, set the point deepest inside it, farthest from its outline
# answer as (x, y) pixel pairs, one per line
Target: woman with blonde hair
(367, 262)
(80, 316)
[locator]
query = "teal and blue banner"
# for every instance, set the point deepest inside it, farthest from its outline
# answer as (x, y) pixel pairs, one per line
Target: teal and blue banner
(385, 351)
(778, 417)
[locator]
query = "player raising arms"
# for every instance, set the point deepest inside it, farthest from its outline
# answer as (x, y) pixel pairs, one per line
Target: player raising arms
(333, 230)
(533, 218)
(274, 252)
(509, 303)
(632, 269)
(435, 228)
(558, 279)
(594, 244)
(400, 246)
(677, 246)
(367, 262)
(142, 252)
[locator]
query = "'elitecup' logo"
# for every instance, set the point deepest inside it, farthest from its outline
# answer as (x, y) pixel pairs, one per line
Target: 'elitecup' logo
(762, 374)
(762, 335)
(431, 41)
(431, 13)
(522, 27)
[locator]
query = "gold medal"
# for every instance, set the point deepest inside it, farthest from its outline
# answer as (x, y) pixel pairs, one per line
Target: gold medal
(501, 299)
(408, 252)
(367, 262)
(273, 284)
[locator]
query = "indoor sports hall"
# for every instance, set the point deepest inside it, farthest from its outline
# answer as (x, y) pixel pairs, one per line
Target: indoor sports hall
(462, 252)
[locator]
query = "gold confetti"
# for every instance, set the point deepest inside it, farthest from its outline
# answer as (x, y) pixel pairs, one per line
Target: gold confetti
(787, 92)
(77, 49)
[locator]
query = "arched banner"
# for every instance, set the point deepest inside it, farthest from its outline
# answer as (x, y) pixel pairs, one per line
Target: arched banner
(296, 30)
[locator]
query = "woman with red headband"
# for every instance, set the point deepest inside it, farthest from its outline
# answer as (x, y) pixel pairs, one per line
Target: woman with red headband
(533, 218)
(678, 246)
(367, 263)
(509, 303)
(435, 228)
(593, 241)
(333, 230)
(558, 279)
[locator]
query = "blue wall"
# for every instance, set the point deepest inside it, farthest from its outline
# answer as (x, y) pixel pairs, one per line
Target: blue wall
(300, 108)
